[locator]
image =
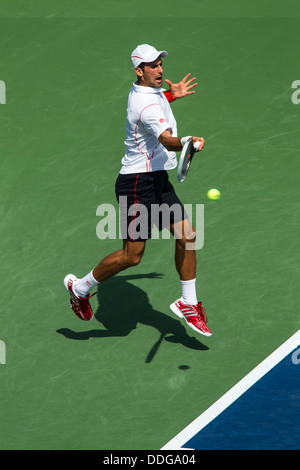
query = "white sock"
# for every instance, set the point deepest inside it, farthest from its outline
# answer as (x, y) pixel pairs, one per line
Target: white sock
(189, 295)
(84, 285)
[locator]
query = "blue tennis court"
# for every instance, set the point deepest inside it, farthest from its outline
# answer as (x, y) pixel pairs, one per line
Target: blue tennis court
(264, 416)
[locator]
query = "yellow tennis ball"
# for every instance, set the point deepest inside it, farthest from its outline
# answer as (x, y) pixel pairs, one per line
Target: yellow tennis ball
(213, 194)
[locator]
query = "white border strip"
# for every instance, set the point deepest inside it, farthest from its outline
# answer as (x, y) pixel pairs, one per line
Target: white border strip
(235, 392)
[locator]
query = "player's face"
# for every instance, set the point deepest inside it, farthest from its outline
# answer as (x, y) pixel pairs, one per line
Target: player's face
(151, 74)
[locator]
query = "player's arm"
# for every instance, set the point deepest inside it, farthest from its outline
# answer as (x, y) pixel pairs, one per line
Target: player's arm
(175, 144)
(169, 142)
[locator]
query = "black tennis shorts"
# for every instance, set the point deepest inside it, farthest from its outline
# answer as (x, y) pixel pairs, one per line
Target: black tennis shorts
(145, 200)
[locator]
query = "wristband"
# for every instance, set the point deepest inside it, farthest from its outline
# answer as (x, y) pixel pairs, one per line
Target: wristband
(184, 140)
(169, 96)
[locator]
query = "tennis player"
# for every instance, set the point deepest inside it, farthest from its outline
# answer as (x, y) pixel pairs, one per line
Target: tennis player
(143, 186)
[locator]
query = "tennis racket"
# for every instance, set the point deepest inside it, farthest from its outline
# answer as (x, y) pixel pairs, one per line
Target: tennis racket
(186, 158)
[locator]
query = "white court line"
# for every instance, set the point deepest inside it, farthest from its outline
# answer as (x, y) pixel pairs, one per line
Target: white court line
(235, 392)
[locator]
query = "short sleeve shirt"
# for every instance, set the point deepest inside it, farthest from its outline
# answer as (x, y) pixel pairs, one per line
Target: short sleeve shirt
(148, 115)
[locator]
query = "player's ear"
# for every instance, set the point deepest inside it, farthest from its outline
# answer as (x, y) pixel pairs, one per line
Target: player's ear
(139, 71)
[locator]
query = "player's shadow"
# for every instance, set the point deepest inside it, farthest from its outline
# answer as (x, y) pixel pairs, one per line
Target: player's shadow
(123, 305)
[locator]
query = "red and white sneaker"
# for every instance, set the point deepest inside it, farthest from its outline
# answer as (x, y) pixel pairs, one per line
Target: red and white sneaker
(80, 305)
(194, 315)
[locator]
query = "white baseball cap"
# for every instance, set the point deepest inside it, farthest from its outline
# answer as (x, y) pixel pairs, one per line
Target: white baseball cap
(145, 53)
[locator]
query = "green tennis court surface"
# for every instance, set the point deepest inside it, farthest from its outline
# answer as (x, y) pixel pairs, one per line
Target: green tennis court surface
(135, 376)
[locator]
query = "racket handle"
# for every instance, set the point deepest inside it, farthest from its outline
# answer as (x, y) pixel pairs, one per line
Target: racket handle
(197, 145)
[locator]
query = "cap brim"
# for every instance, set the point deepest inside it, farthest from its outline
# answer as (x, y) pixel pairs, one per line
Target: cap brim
(153, 57)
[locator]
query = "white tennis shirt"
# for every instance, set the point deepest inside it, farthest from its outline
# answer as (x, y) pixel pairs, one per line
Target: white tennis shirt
(148, 115)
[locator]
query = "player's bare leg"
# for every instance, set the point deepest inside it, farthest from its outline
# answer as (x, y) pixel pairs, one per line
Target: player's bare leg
(130, 255)
(185, 256)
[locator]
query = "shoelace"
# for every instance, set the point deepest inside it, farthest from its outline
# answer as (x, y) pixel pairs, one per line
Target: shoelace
(92, 295)
(201, 312)
(83, 305)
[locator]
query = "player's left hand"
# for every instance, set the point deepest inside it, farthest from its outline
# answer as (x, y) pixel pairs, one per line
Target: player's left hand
(183, 88)
(201, 143)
